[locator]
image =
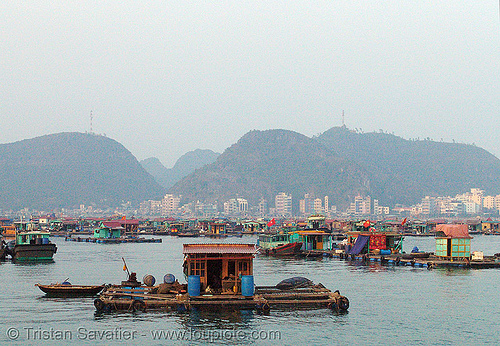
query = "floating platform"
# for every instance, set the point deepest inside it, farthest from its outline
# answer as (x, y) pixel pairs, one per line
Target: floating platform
(114, 240)
(431, 261)
(264, 298)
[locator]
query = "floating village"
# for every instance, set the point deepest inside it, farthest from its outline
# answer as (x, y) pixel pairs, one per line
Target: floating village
(220, 274)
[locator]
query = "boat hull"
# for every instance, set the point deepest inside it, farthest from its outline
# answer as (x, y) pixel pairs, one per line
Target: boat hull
(289, 249)
(34, 252)
(70, 290)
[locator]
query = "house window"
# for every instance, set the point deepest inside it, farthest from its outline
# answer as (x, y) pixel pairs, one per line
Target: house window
(197, 268)
(243, 267)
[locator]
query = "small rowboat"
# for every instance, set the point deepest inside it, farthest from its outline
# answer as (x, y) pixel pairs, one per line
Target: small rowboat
(65, 290)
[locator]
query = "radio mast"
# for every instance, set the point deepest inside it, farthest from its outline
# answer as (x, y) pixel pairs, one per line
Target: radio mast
(91, 118)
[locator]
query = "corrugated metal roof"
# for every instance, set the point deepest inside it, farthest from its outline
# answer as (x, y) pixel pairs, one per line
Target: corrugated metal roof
(112, 224)
(248, 249)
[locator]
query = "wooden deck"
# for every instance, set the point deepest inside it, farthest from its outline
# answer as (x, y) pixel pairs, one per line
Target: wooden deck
(430, 262)
(141, 299)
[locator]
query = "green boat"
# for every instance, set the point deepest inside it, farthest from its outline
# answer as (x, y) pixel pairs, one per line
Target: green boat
(31, 246)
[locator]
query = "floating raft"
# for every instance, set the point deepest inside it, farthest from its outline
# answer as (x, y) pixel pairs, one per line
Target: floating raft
(114, 240)
(428, 262)
(264, 298)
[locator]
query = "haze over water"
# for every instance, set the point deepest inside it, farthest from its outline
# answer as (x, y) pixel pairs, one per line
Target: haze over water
(389, 305)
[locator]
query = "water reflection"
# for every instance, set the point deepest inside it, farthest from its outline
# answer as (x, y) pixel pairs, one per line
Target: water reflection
(227, 318)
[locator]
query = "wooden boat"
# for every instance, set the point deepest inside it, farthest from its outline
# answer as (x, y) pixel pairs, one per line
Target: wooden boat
(68, 290)
(290, 249)
(189, 234)
(278, 245)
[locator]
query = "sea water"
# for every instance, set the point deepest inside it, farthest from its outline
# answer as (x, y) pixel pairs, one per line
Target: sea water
(390, 305)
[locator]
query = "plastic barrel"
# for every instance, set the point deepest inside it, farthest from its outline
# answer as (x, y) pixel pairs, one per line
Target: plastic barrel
(247, 286)
(194, 284)
(45, 240)
(169, 279)
(149, 280)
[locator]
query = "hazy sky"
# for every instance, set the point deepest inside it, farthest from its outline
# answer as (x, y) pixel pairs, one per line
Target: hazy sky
(166, 77)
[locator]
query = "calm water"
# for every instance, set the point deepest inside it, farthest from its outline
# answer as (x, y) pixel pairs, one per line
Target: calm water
(389, 305)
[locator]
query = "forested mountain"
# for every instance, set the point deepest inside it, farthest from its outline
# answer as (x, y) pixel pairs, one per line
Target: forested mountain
(342, 163)
(404, 171)
(69, 169)
(264, 163)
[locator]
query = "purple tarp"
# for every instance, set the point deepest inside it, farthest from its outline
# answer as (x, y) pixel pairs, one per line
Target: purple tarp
(360, 243)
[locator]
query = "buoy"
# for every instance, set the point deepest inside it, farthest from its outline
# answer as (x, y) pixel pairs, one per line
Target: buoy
(99, 304)
(344, 303)
(139, 305)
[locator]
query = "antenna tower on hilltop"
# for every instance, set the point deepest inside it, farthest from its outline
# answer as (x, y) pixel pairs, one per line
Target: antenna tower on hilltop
(343, 119)
(91, 118)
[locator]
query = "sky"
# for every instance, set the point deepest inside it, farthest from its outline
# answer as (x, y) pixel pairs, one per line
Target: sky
(166, 77)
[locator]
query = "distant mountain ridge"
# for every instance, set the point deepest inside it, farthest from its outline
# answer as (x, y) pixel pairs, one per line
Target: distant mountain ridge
(341, 163)
(405, 171)
(264, 163)
(184, 166)
(69, 169)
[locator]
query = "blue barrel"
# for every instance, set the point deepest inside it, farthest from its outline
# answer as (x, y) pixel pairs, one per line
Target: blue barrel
(169, 279)
(385, 252)
(194, 284)
(247, 286)
(45, 240)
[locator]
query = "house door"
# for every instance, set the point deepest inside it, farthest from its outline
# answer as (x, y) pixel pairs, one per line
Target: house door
(214, 274)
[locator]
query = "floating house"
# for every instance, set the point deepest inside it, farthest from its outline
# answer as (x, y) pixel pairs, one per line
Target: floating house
(453, 241)
(316, 222)
(251, 227)
(116, 228)
(65, 226)
(490, 226)
(108, 230)
(220, 277)
(177, 227)
(370, 240)
(219, 267)
(313, 239)
(217, 228)
(7, 228)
